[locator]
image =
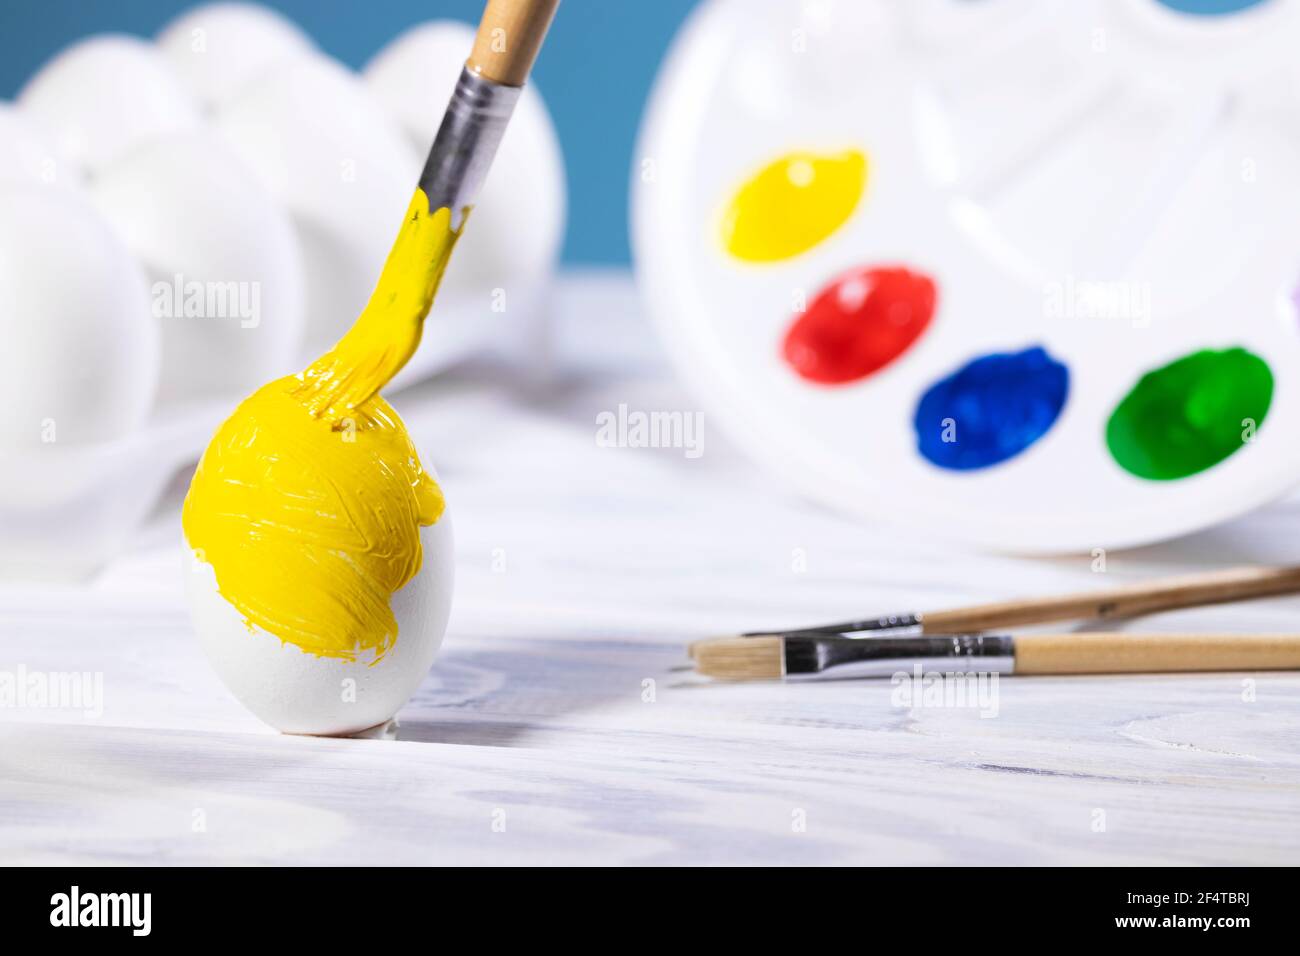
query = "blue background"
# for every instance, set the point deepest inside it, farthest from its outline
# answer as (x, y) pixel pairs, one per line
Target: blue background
(595, 72)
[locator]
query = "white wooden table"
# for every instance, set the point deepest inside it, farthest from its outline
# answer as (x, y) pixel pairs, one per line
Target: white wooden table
(556, 726)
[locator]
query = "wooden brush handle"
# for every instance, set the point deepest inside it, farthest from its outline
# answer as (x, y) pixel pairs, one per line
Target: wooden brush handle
(1138, 653)
(1194, 590)
(509, 36)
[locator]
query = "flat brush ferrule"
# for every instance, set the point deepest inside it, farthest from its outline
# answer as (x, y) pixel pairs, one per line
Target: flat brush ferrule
(829, 657)
(467, 141)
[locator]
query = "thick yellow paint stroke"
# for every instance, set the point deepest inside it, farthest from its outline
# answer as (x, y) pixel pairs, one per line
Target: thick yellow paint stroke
(792, 204)
(309, 500)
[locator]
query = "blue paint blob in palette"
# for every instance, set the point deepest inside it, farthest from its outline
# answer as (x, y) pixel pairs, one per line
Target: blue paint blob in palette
(1210, 8)
(990, 409)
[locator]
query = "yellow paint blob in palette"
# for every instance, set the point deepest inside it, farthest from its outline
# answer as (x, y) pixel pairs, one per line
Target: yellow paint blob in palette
(308, 502)
(916, 322)
(792, 204)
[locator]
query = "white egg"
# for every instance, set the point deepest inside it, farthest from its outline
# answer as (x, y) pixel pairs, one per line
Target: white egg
(27, 155)
(340, 165)
(300, 693)
(103, 96)
(222, 259)
(517, 225)
(219, 48)
(80, 355)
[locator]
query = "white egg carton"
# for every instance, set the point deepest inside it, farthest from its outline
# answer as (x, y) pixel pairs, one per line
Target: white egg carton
(66, 509)
(235, 153)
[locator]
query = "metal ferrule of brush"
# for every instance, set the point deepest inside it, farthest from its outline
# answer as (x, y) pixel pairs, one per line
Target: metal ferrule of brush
(811, 657)
(467, 140)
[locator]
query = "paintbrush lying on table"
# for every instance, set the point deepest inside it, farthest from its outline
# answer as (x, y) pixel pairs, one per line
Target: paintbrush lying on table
(803, 657)
(1163, 594)
(951, 641)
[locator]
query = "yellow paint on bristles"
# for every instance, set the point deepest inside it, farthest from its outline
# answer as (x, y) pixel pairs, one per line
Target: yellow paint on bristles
(792, 204)
(309, 500)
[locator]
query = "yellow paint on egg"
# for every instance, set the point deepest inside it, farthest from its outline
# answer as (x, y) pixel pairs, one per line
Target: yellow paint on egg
(792, 204)
(309, 500)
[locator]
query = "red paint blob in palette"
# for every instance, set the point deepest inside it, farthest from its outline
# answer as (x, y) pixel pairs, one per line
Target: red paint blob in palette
(859, 323)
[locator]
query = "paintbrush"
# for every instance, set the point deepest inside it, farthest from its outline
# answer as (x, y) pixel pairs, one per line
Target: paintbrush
(1163, 594)
(509, 37)
(805, 657)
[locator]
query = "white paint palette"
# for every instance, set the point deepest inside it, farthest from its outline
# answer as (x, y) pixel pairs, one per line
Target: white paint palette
(1117, 183)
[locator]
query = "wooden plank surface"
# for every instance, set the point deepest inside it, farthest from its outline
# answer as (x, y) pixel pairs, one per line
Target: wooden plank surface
(556, 725)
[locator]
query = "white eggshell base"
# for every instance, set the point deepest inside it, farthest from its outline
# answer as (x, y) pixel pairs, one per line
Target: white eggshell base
(300, 693)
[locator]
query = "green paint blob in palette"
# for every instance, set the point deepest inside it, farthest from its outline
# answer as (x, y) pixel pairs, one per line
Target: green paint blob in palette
(1191, 414)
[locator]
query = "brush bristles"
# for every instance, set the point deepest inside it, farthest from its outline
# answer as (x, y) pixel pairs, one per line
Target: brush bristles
(691, 647)
(748, 635)
(741, 658)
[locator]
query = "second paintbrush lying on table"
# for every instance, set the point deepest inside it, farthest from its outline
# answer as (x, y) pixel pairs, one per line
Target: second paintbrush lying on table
(1163, 594)
(826, 656)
